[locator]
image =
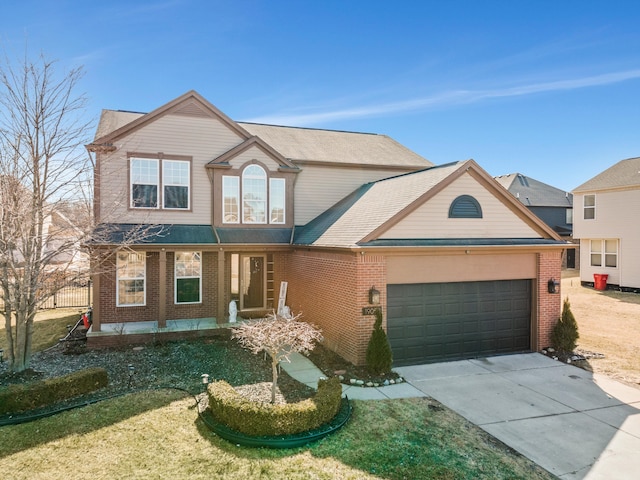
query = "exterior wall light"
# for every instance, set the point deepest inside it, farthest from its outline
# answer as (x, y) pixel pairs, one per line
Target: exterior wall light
(374, 296)
(552, 286)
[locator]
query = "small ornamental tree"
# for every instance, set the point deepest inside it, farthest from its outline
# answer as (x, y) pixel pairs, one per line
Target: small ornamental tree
(565, 332)
(379, 356)
(279, 337)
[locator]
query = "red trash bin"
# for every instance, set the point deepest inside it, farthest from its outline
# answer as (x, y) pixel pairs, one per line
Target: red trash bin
(600, 281)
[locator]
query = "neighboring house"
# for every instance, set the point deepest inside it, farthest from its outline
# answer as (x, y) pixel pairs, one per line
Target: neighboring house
(552, 205)
(61, 251)
(352, 222)
(607, 224)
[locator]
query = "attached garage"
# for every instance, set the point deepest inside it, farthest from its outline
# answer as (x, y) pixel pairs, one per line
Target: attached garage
(429, 322)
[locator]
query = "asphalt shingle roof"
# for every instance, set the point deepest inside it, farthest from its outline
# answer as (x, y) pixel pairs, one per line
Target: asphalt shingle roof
(316, 145)
(169, 234)
(307, 144)
(352, 219)
(625, 173)
(533, 193)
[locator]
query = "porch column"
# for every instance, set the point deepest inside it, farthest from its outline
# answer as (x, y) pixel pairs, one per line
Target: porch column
(95, 313)
(221, 301)
(162, 290)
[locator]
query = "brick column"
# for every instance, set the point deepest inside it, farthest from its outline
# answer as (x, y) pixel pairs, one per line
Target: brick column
(548, 304)
(162, 290)
(372, 272)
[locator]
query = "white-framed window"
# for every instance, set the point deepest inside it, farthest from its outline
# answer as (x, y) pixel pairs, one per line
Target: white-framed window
(604, 253)
(254, 198)
(589, 206)
(175, 184)
(188, 277)
(276, 200)
(254, 195)
(130, 283)
(144, 177)
(230, 199)
(569, 214)
(147, 175)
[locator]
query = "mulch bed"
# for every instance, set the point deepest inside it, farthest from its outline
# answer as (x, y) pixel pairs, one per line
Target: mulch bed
(180, 364)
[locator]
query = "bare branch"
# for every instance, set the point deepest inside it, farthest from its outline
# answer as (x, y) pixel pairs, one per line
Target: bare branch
(279, 337)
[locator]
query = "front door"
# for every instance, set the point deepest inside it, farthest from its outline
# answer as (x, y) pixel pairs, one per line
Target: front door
(571, 258)
(252, 282)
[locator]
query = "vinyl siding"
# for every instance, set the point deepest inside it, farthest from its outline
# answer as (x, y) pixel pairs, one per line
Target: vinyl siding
(254, 153)
(460, 268)
(431, 220)
(616, 218)
(320, 187)
(201, 138)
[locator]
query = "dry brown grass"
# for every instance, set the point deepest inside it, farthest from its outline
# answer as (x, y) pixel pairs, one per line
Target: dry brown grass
(608, 323)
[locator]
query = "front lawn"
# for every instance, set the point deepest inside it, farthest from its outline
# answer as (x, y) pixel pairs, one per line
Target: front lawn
(157, 434)
(49, 327)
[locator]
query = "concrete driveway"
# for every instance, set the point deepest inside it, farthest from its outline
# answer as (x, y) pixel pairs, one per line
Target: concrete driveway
(573, 423)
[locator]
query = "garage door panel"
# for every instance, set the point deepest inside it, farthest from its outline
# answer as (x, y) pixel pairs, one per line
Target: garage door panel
(470, 307)
(447, 321)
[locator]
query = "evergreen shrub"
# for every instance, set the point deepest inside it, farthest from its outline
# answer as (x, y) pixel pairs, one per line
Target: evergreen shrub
(565, 332)
(379, 356)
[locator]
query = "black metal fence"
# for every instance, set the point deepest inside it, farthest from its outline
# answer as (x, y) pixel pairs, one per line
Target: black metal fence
(72, 294)
(76, 293)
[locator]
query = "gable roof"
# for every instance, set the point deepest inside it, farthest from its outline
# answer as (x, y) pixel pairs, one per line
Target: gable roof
(223, 160)
(298, 145)
(624, 174)
(114, 125)
(533, 193)
(375, 207)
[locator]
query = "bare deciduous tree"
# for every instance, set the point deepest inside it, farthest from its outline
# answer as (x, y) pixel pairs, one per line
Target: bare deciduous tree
(42, 164)
(279, 337)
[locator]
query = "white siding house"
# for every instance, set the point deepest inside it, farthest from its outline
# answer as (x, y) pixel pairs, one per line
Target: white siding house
(607, 222)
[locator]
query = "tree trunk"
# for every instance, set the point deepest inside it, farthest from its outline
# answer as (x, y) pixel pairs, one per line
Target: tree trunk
(20, 361)
(10, 354)
(274, 370)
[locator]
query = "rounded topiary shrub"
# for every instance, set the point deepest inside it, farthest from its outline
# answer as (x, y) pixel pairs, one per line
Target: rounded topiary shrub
(565, 332)
(229, 408)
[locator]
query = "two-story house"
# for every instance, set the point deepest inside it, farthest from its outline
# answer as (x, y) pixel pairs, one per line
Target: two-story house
(552, 205)
(202, 211)
(608, 227)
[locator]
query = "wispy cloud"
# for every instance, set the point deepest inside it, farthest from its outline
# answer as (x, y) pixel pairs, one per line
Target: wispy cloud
(443, 99)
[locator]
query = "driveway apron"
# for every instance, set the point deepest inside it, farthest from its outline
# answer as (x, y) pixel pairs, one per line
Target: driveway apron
(569, 421)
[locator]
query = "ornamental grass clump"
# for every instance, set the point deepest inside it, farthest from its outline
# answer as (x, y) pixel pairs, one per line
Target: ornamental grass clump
(565, 332)
(278, 337)
(379, 356)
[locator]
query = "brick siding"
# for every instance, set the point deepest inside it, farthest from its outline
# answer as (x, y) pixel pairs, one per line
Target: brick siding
(548, 304)
(330, 290)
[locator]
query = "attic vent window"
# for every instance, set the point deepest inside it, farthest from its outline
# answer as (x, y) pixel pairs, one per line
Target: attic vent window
(465, 206)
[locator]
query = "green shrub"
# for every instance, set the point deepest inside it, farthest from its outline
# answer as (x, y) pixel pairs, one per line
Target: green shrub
(379, 357)
(28, 396)
(565, 332)
(266, 419)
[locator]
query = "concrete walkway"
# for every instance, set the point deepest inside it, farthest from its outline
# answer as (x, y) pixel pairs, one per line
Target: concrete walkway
(573, 423)
(303, 370)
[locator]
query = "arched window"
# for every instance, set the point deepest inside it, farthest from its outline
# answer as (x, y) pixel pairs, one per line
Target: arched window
(465, 206)
(254, 195)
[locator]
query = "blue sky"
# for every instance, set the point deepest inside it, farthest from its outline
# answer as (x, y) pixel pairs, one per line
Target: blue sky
(550, 89)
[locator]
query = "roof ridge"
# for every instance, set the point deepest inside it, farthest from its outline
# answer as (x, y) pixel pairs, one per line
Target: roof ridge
(309, 128)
